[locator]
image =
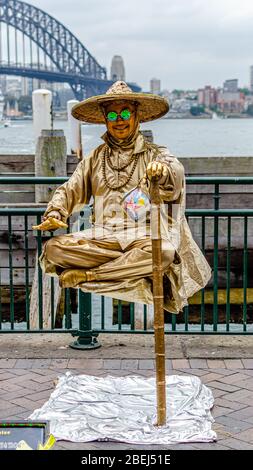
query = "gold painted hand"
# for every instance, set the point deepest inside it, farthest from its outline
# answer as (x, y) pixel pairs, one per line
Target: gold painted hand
(156, 169)
(51, 223)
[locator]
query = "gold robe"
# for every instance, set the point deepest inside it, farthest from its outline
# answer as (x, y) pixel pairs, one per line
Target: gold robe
(185, 272)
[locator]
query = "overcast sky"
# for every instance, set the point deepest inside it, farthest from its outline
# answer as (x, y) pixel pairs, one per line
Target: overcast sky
(185, 43)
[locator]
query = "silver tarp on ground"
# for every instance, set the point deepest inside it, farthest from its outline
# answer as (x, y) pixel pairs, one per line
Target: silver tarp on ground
(84, 408)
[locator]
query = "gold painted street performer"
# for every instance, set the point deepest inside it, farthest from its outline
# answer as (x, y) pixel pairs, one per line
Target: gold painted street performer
(114, 256)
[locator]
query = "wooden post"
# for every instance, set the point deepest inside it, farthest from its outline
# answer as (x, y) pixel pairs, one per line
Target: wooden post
(139, 317)
(75, 131)
(50, 160)
(158, 302)
(57, 309)
(41, 100)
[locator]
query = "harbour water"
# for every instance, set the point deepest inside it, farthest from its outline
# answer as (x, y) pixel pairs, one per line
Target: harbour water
(184, 137)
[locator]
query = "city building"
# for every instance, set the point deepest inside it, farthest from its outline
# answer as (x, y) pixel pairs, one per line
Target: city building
(12, 108)
(65, 93)
(251, 78)
(231, 86)
(181, 105)
(231, 102)
(3, 81)
(117, 69)
(155, 86)
(26, 86)
(1, 105)
(166, 94)
(36, 84)
(13, 87)
(248, 102)
(207, 96)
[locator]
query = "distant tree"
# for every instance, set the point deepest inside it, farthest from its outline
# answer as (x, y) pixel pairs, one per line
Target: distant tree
(25, 104)
(177, 92)
(192, 98)
(250, 110)
(197, 110)
(245, 91)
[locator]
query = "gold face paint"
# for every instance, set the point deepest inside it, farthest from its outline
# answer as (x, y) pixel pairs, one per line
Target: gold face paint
(121, 129)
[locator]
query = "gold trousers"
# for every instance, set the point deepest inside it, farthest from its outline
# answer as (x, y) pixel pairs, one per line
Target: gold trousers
(105, 259)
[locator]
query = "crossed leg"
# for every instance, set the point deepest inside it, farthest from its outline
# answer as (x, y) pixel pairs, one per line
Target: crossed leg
(82, 259)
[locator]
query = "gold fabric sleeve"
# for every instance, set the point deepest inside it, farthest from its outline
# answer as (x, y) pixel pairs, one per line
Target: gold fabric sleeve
(75, 193)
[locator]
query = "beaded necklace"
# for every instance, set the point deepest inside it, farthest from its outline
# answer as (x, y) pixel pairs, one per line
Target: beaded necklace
(120, 168)
(106, 157)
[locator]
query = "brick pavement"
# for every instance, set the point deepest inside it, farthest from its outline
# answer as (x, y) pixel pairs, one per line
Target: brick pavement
(25, 384)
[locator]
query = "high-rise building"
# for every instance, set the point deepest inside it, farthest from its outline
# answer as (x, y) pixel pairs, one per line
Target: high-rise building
(231, 86)
(24, 86)
(155, 86)
(13, 87)
(117, 69)
(207, 96)
(251, 78)
(36, 84)
(231, 102)
(3, 81)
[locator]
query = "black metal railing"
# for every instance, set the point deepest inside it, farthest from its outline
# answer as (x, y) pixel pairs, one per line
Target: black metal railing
(97, 314)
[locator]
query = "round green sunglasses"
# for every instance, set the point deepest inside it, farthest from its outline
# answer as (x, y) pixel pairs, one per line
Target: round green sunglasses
(113, 116)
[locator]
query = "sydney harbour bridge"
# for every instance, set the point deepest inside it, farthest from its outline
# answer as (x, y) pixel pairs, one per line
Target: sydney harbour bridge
(34, 44)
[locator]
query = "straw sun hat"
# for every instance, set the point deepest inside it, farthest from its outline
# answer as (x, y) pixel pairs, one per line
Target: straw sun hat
(150, 106)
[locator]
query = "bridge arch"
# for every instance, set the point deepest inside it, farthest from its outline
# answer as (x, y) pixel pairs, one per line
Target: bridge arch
(64, 50)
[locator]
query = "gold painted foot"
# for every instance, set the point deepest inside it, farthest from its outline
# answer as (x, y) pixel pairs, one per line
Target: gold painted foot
(72, 277)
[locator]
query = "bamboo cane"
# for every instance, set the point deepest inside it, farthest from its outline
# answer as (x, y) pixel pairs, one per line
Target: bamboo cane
(158, 302)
